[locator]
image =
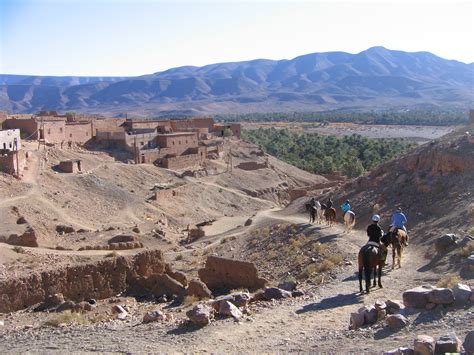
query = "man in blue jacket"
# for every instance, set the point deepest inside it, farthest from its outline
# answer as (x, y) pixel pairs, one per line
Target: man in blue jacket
(398, 222)
(345, 207)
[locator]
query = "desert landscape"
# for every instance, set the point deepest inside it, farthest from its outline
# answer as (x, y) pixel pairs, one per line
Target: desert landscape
(131, 251)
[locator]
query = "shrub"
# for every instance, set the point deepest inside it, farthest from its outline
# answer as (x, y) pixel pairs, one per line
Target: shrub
(19, 250)
(449, 281)
(179, 257)
(113, 254)
(467, 250)
(67, 317)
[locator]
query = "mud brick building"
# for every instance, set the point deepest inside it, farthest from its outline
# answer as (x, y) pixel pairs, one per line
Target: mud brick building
(12, 159)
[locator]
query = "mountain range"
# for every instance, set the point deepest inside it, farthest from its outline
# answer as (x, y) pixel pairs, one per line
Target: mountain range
(377, 78)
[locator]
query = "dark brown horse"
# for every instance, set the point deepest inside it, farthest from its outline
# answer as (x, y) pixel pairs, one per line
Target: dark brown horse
(397, 239)
(369, 259)
(329, 214)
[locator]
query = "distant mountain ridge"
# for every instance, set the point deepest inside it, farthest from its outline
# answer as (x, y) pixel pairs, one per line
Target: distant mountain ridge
(375, 78)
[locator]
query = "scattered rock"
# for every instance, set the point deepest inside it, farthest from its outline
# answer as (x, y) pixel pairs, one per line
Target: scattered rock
(448, 344)
(228, 309)
(396, 321)
(61, 229)
(248, 222)
(445, 243)
(276, 293)
(441, 296)
(393, 307)
(288, 285)
(469, 343)
(239, 299)
(154, 316)
(462, 293)
(21, 220)
(416, 297)
(297, 293)
(66, 306)
(424, 345)
(430, 306)
(369, 313)
(54, 300)
(121, 312)
(200, 315)
(356, 321)
(198, 289)
(177, 275)
(122, 238)
(227, 274)
(136, 230)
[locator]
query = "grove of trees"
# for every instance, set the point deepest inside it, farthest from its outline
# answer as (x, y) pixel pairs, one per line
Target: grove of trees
(351, 155)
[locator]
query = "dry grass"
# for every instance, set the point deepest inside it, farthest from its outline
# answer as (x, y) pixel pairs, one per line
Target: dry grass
(190, 300)
(336, 259)
(113, 254)
(179, 257)
(67, 317)
(467, 250)
(319, 248)
(448, 281)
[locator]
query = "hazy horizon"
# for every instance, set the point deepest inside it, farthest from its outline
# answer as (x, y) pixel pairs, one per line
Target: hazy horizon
(133, 38)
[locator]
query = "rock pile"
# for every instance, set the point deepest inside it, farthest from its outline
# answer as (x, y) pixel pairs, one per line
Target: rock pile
(388, 310)
(446, 344)
(430, 297)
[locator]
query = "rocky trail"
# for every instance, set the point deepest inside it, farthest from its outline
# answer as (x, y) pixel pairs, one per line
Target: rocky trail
(317, 321)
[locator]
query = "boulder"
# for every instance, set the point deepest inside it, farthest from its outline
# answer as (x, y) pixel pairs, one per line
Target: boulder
(288, 285)
(177, 275)
(228, 309)
(66, 306)
(158, 285)
(200, 315)
(239, 299)
(441, 296)
(27, 239)
(445, 243)
(424, 345)
(396, 321)
(297, 293)
(227, 274)
(276, 293)
(462, 293)
(448, 344)
(136, 230)
(61, 229)
(356, 321)
(154, 316)
(21, 220)
(393, 307)
(248, 222)
(198, 289)
(416, 297)
(469, 343)
(369, 313)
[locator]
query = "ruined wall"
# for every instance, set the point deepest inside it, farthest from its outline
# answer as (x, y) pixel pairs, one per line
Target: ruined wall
(102, 279)
(251, 165)
(27, 126)
(165, 194)
(219, 129)
(78, 132)
(182, 162)
(8, 162)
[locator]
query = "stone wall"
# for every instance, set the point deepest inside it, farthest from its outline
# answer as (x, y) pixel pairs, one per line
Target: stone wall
(27, 126)
(102, 279)
(8, 162)
(182, 161)
(79, 132)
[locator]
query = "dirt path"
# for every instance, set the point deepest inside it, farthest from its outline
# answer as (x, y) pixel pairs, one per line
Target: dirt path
(316, 322)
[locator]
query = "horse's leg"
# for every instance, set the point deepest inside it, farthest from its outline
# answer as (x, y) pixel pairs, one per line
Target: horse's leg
(368, 275)
(380, 276)
(375, 276)
(393, 256)
(400, 249)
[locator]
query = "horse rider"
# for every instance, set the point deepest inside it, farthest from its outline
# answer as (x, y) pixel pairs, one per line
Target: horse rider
(398, 222)
(329, 203)
(345, 207)
(312, 202)
(375, 233)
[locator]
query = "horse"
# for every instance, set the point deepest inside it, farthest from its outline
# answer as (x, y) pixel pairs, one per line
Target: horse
(349, 221)
(314, 211)
(329, 214)
(397, 239)
(370, 257)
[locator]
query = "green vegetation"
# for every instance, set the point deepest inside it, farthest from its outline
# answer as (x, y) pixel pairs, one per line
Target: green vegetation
(401, 117)
(350, 155)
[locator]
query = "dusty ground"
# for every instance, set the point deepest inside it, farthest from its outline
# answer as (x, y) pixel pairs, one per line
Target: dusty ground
(279, 240)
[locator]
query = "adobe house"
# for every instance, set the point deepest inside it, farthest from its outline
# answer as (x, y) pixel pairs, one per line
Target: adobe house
(219, 129)
(11, 161)
(70, 166)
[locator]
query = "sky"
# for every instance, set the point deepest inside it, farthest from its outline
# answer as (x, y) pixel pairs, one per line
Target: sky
(137, 37)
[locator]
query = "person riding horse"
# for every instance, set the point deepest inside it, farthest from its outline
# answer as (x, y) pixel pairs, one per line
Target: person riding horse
(398, 222)
(375, 233)
(329, 203)
(345, 207)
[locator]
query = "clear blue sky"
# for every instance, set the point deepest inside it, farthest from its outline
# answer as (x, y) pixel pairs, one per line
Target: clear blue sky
(127, 37)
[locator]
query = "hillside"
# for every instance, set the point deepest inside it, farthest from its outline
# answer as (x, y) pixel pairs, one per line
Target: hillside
(374, 78)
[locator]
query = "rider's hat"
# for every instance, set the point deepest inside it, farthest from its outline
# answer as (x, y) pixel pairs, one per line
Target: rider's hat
(399, 209)
(376, 218)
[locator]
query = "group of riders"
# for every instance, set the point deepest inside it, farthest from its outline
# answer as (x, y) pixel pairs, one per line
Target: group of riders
(374, 231)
